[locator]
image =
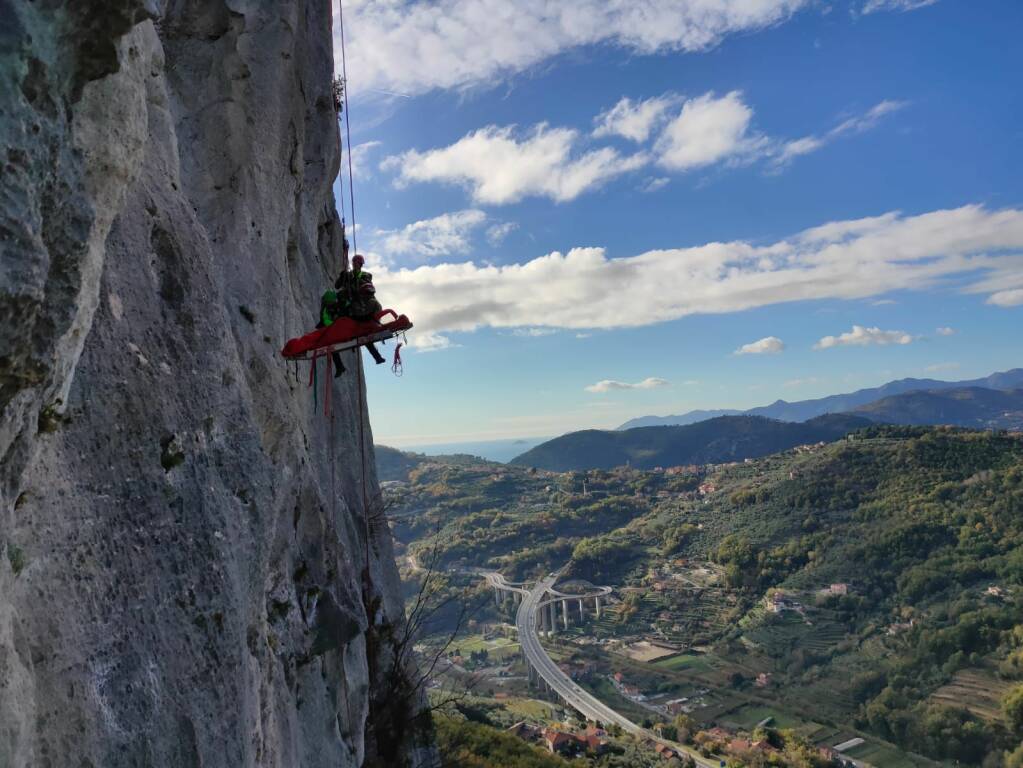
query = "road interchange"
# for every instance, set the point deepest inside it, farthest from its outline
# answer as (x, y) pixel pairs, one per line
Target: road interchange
(541, 664)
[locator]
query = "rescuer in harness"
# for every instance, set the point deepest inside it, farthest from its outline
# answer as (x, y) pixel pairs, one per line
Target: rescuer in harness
(355, 297)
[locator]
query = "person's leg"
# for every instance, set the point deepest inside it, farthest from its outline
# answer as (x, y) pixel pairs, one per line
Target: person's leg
(376, 353)
(339, 367)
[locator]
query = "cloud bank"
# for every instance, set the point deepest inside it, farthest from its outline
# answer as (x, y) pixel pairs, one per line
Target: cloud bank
(586, 289)
(499, 165)
(412, 47)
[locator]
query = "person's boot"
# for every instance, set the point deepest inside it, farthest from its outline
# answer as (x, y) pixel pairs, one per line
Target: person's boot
(339, 367)
(376, 354)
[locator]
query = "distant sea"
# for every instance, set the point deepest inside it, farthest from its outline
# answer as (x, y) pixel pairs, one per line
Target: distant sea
(494, 450)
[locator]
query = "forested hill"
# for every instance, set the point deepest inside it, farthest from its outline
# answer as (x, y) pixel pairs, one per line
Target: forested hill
(964, 407)
(724, 439)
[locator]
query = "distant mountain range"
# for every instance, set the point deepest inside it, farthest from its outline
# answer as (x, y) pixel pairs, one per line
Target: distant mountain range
(808, 409)
(722, 439)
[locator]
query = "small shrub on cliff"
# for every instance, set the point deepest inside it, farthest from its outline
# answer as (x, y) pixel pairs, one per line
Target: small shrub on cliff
(16, 557)
(50, 417)
(171, 454)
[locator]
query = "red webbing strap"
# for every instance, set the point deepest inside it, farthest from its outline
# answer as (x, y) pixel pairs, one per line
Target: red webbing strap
(328, 386)
(312, 383)
(396, 367)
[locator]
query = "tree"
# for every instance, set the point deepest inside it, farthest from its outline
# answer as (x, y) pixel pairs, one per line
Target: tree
(1014, 759)
(1012, 706)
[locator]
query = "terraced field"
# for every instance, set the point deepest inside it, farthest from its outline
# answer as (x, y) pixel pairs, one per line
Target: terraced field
(781, 635)
(684, 661)
(977, 690)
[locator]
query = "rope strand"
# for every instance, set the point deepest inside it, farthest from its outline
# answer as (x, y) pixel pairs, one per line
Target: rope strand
(346, 109)
(360, 379)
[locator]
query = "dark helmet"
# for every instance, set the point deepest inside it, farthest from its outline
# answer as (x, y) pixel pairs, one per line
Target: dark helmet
(357, 261)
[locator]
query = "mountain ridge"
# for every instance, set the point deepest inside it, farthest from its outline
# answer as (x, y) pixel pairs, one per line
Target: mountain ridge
(801, 410)
(717, 440)
(971, 407)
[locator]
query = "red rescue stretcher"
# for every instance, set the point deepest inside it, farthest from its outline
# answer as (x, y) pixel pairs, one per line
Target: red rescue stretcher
(345, 333)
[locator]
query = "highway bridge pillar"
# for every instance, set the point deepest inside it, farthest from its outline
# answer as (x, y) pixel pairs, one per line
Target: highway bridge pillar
(564, 612)
(553, 618)
(596, 605)
(497, 596)
(582, 616)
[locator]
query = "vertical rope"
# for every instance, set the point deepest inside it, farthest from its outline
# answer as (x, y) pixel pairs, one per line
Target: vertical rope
(346, 109)
(360, 379)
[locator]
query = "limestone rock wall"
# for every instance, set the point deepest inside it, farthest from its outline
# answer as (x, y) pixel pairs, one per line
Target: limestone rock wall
(189, 571)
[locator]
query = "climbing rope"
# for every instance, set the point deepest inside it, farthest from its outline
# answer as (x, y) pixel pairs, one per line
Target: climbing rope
(346, 109)
(360, 382)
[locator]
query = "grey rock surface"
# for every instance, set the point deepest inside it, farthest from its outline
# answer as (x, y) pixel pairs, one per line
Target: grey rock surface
(193, 566)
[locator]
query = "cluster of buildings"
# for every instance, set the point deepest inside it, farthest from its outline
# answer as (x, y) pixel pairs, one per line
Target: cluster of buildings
(722, 741)
(779, 601)
(809, 447)
(592, 741)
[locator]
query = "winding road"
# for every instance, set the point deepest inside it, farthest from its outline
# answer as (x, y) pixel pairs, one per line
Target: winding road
(575, 696)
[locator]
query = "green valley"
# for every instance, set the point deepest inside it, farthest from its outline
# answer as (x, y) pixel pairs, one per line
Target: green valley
(864, 593)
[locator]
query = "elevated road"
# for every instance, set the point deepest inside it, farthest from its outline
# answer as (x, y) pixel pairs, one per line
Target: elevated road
(572, 694)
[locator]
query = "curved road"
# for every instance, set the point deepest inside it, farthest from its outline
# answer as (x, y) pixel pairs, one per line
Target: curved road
(574, 695)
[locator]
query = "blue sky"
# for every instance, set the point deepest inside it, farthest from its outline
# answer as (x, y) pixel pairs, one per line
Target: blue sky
(597, 210)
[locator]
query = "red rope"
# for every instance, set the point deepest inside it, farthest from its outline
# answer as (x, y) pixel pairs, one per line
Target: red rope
(396, 367)
(328, 387)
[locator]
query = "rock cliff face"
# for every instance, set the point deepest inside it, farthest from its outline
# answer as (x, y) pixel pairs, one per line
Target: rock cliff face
(189, 571)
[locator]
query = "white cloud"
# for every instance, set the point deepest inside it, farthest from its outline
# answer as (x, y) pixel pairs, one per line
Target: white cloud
(1011, 298)
(790, 150)
(860, 336)
(609, 384)
(498, 167)
(412, 47)
(533, 333)
(360, 158)
(872, 6)
(498, 232)
(709, 130)
(945, 331)
(585, 289)
(432, 342)
(440, 236)
(939, 367)
(769, 345)
(654, 184)
(633, 120)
